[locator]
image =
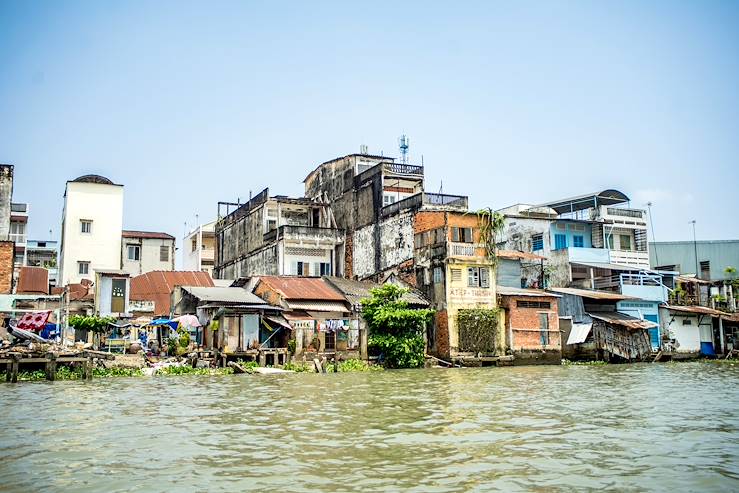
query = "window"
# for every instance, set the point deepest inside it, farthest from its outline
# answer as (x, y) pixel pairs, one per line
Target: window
(300, 268)
(83, 267)
(437, 275)
(478, 277)
(388, 199)
(271, 224)
(561, 226)
(85, 226)
(625, 242)
(194, 244)
(484, 277)
(578, 241)
(462, 235)
(533, 304)
(560, 241)
(322, 268)
(456, 275)
(705, 269)
(609, 242)
(687, 321)
(330, 341)
(134, 252)
(537, 242)
(164, 253)
(544, 327)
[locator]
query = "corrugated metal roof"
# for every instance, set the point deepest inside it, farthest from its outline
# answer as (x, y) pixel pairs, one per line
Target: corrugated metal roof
(579, 333)
(593, 295)
(33, 280)
(318, 306)
(146, 234)
(356, 291)
(515, 255)
(700, 310)
(224, 295)
(508, 291)
(158, 286)
(609, 266)
(623, 320)
(302, 288)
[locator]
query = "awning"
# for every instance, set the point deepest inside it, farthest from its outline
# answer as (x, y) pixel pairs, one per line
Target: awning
(609, 266)
(318, 306)
(279, 320)
(617, 318)
(579, 333)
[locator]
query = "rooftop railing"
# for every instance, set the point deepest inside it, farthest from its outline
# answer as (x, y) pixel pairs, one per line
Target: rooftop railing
(423, 198)
(403, 169)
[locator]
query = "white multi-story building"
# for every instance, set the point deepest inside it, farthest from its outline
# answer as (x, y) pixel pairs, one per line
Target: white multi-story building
(92, 224)
(198, 249)
(146, 251)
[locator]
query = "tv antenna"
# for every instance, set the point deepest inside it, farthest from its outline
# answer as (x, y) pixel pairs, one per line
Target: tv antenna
(403, 144)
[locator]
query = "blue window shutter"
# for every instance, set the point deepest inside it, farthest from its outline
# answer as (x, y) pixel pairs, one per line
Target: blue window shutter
(560, 241)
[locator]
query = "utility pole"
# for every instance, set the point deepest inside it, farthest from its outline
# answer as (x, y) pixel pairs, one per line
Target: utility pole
(654, 238)
(695, 249)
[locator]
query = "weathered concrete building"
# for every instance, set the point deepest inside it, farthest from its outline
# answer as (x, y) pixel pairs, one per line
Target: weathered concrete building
(582, 237)
(199, 248)
(6, 196)
(453, 271)
(278, 236)
(375, 201)
(146, 251)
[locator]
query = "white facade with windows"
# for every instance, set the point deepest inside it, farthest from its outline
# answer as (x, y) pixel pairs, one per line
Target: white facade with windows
(144, 251)
(92, 222)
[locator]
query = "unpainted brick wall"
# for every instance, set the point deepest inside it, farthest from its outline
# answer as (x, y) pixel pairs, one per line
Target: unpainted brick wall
(428, 220)
(7, 254)
(442, 333)
(525, 323)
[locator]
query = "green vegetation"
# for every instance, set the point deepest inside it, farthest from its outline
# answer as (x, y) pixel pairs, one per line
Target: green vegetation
(298, 368)
(396, 331)
(478, 329)
(491, 224)
(566, 362)
(77, 373)
(189, 370)
(93, 323)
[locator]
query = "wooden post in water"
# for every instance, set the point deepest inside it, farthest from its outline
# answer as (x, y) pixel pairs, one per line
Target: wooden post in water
(51, 366)
(88, 368)
(12, 370)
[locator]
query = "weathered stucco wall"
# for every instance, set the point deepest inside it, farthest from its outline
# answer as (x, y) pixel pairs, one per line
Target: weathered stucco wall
(396, 240)
(6, 197)
(363, 255)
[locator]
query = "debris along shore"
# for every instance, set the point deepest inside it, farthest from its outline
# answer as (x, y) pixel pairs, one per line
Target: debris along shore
(29, 361)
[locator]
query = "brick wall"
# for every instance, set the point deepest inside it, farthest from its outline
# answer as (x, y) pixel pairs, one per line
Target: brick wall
(349, 256)
(524, 322)
(428, 220)
(442, 333)
(7, 254)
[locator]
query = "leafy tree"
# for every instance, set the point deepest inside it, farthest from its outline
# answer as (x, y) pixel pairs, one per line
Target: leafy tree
(396, 331)
(93, 323)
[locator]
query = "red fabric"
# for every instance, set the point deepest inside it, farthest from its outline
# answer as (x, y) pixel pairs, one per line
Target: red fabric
(34, 321)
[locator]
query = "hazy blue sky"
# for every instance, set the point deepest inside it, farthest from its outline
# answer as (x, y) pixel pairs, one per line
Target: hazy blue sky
(189, 103)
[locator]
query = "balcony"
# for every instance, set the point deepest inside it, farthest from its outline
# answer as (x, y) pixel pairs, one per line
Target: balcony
(465, 249)
(402, 169)
(446, 202)
(301, 233)
(630, 257)
(623, 215)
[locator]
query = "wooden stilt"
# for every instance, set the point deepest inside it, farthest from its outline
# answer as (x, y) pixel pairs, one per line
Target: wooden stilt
(88, 369)
(51, 366)
(15, 364)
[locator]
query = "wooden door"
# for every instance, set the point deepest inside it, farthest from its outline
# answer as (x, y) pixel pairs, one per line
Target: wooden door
(118, 296)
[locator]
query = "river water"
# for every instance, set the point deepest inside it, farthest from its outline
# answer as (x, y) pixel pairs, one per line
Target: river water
(659, 427)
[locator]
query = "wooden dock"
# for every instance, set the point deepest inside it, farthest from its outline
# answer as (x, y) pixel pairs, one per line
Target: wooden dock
(13, 360)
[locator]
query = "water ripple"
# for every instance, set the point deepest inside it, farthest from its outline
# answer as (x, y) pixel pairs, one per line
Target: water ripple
(621, 428)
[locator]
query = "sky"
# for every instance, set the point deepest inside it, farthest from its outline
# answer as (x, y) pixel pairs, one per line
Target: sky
(191, 103)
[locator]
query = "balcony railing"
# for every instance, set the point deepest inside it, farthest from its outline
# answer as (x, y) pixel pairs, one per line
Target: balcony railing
(423, 198)
(17, 238)
(616, 211)
(293, 232)
(463, 249)
(403, 169)
(18, 207)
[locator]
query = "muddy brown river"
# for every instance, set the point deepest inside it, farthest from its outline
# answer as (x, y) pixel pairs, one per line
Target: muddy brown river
(659, 427)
